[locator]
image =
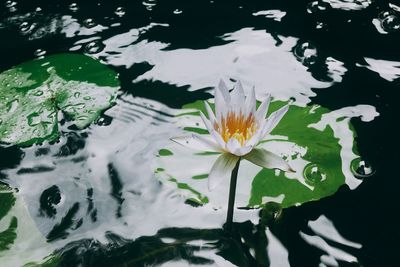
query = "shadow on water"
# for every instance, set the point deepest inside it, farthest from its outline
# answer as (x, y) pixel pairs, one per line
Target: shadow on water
(245, 245)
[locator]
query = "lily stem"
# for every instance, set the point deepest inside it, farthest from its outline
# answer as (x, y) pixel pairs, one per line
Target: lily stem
(232, 194)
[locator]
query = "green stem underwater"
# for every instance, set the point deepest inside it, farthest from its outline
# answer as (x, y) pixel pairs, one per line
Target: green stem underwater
(232, 194)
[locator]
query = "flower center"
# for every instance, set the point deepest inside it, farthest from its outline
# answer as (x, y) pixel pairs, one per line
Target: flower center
(238, 126)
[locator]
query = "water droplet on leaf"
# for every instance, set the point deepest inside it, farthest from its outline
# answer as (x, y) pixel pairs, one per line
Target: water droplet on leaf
(312, 174)
(33, 119)
(12, 105)
(38, 93)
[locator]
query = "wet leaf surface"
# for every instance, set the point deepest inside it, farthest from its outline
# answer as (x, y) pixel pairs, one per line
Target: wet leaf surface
(32, 95)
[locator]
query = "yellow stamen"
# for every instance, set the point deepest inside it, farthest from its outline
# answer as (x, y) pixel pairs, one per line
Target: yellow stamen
(237, 126)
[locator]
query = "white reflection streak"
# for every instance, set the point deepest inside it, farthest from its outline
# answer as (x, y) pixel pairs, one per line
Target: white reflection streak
(249, 55)
(277, 253)
(320, 243)
(388, 70)
(325, 228)
(274, 14)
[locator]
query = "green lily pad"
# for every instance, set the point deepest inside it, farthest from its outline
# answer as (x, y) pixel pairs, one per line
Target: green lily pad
(32, 95)
(317, 143)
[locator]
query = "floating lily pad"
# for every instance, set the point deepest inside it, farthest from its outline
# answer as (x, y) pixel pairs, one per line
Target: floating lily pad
(32, 95)
(317, 143)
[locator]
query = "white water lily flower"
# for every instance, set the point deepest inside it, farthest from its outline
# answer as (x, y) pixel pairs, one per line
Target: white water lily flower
(235, 130)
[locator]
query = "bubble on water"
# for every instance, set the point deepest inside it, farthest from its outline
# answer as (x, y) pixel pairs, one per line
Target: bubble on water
(77, 94)
(177, 11)
(38, 9)
(382, 15)
(313, 174)
(73, 7)
(306, 53)
(317, 7)
(87, 98)
(120, 11)
(39, 52)
(11, 4)
(391, 23)
(89, 23)
(25, 27)
(104, 121)
(149, 4)
(387, 22)
(320, 26)
(361, 168)
(94, 47)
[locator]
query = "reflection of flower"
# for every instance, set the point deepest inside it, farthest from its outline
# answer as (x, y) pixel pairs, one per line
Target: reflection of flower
(235, 130)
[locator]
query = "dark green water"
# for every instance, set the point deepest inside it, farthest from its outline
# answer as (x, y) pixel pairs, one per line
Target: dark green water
(91, 199)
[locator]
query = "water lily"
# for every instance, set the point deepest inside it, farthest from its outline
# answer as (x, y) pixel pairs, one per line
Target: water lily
(236, 128)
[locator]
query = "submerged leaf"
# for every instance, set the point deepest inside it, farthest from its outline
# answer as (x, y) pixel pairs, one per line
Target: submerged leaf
(33, 93)
(7, 201)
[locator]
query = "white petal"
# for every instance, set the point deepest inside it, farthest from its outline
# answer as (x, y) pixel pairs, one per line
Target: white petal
(221, 169)
(217, 137)
(241, 151)
(258, 135)
(267, 159)
(237, 95)
(198, 142)
(250, 103)
(274, 119)
(263, 108)
(224, 91)
(206, 122)
(255, 139)
(222, 99)
(210, 113)
(232, 145)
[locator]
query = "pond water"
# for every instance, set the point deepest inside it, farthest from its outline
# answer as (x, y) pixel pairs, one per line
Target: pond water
(94, 197)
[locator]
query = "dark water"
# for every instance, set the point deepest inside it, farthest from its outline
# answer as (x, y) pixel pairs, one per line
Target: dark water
(96, 203)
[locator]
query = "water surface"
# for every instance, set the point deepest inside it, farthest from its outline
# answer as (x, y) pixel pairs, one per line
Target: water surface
(92, 199)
